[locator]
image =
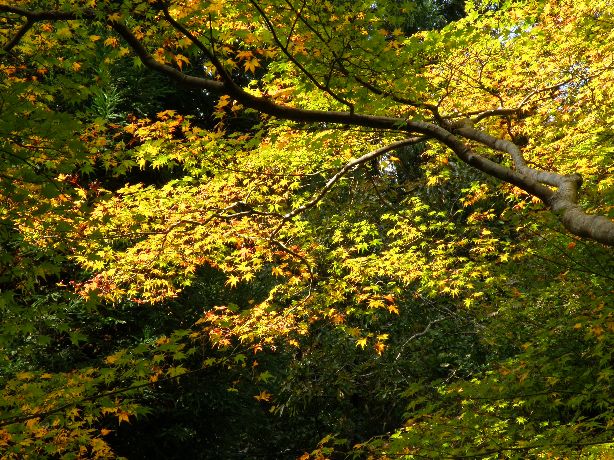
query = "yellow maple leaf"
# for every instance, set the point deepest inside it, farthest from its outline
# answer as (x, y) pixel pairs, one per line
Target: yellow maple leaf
(180, 59)
(597, 330)
(268, 52)
(112, 359)
(361, 343)
(123, 416)
(223, 102)
(263, 396)
(24, 375)
(33, 421)
(251, 64)
(111, 41)
(159, 54)
(232, 281)
(163, 340)
(376, 303)
(246, 55)
(166, 114)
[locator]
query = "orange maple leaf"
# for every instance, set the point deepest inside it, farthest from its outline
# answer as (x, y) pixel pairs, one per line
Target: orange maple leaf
(263, 396)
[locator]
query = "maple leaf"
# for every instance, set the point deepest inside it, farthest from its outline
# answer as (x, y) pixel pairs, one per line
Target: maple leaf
(376, 303)
(232, 281)
(112, 41)
(263, 396)
(160, 56)
(180, 59)
(223, 102)
(251, 64)
(31, 422)
(166, 114)
(245, 55)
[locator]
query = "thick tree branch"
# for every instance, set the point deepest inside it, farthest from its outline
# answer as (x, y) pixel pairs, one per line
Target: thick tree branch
(563, 200)
(19, 35)
(148, 60)
(32, 17)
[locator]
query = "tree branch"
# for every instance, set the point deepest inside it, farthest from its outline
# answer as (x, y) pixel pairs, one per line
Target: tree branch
(292, 59)
(19, 35)
(361, 81)
(563, 200)
(32, 17)
(342, 172)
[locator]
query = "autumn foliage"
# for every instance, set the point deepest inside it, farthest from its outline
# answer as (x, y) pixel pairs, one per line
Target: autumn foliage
(306, 229)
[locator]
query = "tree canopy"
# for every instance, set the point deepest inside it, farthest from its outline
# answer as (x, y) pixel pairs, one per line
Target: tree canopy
(306, 229)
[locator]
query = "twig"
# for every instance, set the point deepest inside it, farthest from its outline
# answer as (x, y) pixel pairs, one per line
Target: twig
(292, 59)
(348, 167)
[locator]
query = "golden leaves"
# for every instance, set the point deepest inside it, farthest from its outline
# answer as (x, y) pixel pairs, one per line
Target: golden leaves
(223, 102)
(123, 416)
(180, 59)
(379, 347)
(251, 65)
(263, 396)
(115, 17)
(115, 358)
(112, 42)
(5, 438)
(232, 281)
(160, 56)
